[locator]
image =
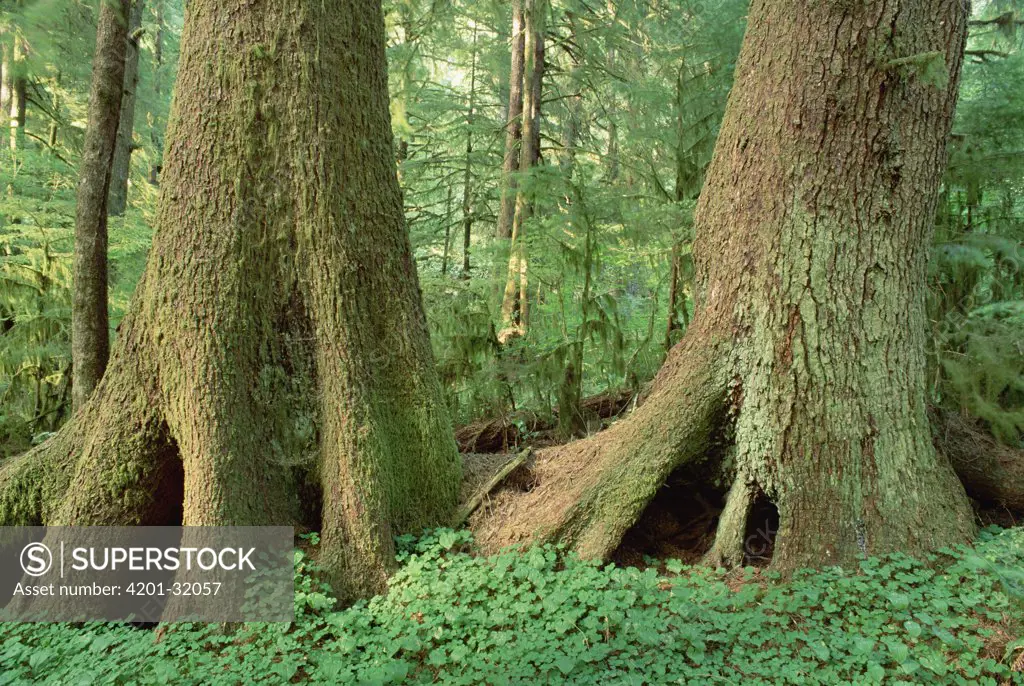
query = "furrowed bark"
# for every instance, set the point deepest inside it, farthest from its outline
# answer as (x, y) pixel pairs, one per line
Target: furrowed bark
(833, 189)
(276, 347)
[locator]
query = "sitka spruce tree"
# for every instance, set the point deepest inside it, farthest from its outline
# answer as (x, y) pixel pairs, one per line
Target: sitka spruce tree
(276, 347)
(802, 376)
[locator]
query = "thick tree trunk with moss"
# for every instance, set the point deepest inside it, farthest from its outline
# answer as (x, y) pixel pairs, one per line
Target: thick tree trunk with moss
(118, 200)
(90, 344)
(804, 364)
(276, 348)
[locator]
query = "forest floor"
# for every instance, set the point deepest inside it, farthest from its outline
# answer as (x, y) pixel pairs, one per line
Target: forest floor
(541, 616)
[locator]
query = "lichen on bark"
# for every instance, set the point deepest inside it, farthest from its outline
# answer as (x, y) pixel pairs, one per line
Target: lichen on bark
(276, 342)
(811, 238)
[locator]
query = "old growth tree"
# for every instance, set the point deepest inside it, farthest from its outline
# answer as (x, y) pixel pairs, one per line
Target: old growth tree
(801, 378)
(276, 348)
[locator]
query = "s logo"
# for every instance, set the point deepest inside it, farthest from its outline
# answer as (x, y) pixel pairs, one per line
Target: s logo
(36, 559)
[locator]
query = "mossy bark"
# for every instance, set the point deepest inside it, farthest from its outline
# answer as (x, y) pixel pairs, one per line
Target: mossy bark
(811, 238)
(277, 338)
(90, 335)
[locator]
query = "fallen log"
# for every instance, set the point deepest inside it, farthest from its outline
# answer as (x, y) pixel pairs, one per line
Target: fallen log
(992, 472)
(508, 432)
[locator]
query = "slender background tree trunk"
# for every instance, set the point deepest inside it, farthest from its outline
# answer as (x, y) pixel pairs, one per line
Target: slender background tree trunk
(5, 77)
(120, 171)
(467, 179)
(158, 63)
(514, 127)
(515, 303)
(90, 343)
(17, 95)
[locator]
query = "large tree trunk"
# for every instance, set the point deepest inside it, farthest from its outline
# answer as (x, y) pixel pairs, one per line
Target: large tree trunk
(806, 352)
(118, 200)
(276, 347)
(90, 338)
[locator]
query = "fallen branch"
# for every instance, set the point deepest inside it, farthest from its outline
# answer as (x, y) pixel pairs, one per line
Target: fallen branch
(500, 434)
(474, 502)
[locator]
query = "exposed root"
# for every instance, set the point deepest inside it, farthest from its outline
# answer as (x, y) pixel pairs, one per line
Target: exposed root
(590, 492)
(729, 548)
(499, 476)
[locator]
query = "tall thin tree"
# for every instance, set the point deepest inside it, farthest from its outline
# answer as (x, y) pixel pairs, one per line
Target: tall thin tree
(515, 303)
(90, 335)
(117, 200)
(514, 125)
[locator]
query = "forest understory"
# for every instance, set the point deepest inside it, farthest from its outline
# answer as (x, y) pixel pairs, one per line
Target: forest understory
(644, 341)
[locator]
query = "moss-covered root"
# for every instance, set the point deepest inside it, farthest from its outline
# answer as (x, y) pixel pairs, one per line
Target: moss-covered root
(589, 492)
(112, 464)
(33, 485)
(729, 546)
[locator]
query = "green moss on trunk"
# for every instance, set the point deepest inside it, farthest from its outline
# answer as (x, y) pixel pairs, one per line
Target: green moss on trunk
(277, 337)
(811, 238)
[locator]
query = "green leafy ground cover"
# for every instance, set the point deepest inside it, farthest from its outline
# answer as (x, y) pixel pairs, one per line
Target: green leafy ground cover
(543, 617)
